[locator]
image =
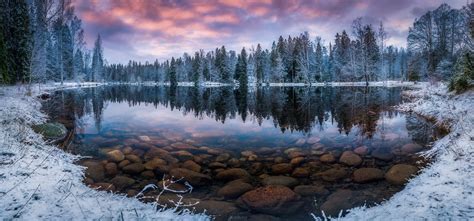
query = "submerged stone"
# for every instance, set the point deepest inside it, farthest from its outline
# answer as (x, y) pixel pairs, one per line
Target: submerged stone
(400, 173)
(273, 200)
(234, 189)
(350, 158)
(280, 180)
(365, 175)
(194, 178)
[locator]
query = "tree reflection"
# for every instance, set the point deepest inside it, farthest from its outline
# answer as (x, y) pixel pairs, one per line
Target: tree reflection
(290, 108)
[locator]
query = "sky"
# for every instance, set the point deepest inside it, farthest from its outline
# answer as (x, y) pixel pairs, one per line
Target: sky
(145, 30)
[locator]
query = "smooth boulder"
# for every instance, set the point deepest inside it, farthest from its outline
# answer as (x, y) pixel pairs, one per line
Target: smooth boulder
(194, 178)
(365, 175)
(400, 173)
(273, 200)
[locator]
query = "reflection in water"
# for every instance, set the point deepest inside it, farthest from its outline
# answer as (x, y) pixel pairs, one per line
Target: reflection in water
(332, 147)
(290, 109)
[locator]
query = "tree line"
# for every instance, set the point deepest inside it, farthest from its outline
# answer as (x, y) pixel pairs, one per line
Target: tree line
(43, 40)
(439, 43)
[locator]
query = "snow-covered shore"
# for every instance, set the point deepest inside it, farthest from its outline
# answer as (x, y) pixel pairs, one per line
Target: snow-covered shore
(40, 182)
(444, 189)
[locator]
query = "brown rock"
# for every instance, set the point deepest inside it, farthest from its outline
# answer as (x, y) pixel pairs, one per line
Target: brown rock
(297, 161)
(340, 200)
(111, 169)
(247, 153)
(115, 155)
(183, 155)
(365, 175)
(148, 174)
(350, 158)
(183, 146)
(133, 158)
(382, 154)
(234, 189)
(311, 190)
(215, 165)
(327, 158)
(280, 180)
(155, 152)
(162, 169)
(172, 186)
(411, 148)
(122, 182)
(275, 200)
(400, 173)
(154, 163)
(279, 160)
(223, 157)
(294, 154)
(127, 150)
(94, 170)
(233, 174)
(333, 174)
(300, 172)
(123, 163)
(362, 150)
(134, 168)
(191, 165)
(234, 162)
(194, 178)
(221, 210)
(282, 168)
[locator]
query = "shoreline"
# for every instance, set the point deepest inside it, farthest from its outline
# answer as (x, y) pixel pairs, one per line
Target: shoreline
(443, 189)
(219, 84)
(39, 181)
(64, 184)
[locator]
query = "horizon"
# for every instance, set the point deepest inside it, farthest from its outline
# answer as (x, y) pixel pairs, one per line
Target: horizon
(234, 24)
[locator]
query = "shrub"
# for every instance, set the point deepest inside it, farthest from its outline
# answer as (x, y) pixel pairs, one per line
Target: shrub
(464, 74)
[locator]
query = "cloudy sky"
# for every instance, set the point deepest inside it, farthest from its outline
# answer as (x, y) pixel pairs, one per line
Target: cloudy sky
(149, 29)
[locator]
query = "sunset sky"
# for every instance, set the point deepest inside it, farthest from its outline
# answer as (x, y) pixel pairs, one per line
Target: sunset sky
(146, 29)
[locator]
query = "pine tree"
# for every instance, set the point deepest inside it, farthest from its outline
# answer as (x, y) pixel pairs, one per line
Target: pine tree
(241, 69)
(319, 62)
(259, 64)
(97, 60)
(172, 73)
(4, 75)
(15, 24)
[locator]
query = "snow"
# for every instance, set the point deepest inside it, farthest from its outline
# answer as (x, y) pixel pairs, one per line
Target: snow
(41, 182)
(444, 189)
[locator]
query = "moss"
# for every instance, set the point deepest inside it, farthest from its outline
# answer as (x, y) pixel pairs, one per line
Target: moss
(51, 130)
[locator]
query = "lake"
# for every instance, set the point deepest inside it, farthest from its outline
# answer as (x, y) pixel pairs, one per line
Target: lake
(262, 153)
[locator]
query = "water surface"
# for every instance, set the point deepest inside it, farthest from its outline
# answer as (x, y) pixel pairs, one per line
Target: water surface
(275, 134)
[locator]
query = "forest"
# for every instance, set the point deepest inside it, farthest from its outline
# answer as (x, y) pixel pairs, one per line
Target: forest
(42, 41)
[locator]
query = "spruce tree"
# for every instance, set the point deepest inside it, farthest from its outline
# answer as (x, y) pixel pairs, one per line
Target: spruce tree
(4, 75)
(172, 73)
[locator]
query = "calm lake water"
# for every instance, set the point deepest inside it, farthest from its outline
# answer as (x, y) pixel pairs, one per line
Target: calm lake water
(315, 148)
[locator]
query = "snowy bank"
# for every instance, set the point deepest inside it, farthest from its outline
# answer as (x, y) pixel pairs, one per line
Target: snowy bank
(444, 189)
(41, 182)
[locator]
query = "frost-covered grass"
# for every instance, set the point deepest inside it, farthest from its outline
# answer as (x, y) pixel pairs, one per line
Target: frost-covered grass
(41, 182)
(444, 189)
